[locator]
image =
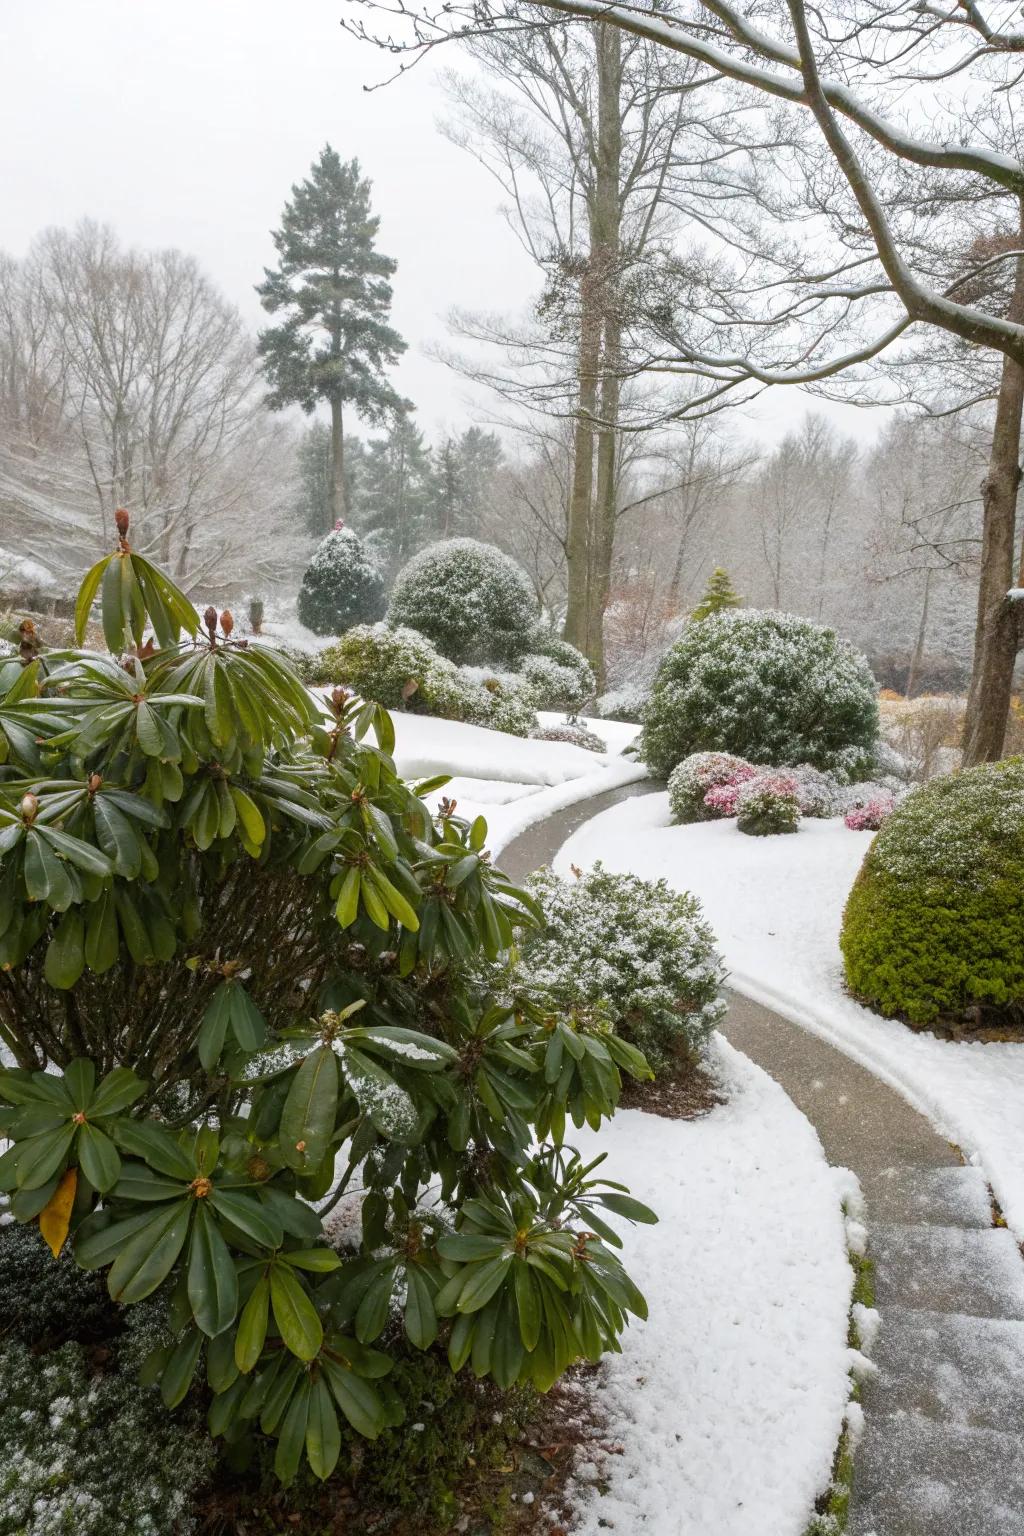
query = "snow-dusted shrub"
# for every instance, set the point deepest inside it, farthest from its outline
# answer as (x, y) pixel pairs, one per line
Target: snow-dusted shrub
(87, 1450)
(502, 701)
(627, 702)
(636, 945)
(577, 736)
(471, 599)
(399, 669)
(306, 664)
(561, 676)
(820, 794)
(343, 585)
(870, 816)
(934, 927)
(767, 805)
(770, 687)
(690, 782)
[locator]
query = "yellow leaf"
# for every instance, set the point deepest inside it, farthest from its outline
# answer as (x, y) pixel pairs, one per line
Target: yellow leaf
(55, 1217)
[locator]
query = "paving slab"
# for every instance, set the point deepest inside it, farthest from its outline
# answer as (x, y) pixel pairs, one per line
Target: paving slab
(948, 1269)
(936, 1197)
(967, 1371)
(914, 1478)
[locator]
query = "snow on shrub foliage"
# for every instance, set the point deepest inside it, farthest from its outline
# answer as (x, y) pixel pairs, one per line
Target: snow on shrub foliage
(770, 687)
(934, 926)
(692, 782)
(402, 670)
(870, 816)
(561, 676)
(471, 599)
(637, 945)
(767, 805)
(399, 669)
(86, 1449)
(576, 735)
(342, 585)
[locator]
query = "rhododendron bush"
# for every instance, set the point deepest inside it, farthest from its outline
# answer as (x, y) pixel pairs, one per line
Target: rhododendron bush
(236, 953)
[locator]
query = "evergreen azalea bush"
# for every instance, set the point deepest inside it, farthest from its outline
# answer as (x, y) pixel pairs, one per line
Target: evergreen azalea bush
(770, 687)
(693, 783)
(501, 701)
(342, 586)
(933, 931)
(472, 600)
(235, 972)
(634, 949)
(398, 669)
(767, 805)
(870, 816)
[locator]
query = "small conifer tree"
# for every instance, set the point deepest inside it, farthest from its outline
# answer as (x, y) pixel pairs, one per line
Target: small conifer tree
(718, 594)
(342, 585)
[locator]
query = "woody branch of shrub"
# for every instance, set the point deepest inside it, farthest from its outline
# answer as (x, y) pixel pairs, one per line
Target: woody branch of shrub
(236, 955)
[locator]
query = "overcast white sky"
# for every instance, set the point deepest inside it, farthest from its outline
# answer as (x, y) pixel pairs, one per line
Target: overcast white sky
(186, 124)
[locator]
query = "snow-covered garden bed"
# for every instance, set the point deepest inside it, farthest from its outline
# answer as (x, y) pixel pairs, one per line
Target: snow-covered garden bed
(727, 1403)
(511, 780)
(776, 906)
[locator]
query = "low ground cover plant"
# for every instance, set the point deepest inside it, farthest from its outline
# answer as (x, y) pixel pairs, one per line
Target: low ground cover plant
(235, 954)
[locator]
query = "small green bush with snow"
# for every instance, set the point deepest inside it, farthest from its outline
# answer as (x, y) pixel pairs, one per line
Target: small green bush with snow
(767, 805)
(501, 701)
(560, 675)
(571, 732)
(471, 599)
(399, 669)
(770, 687)
(934, 927)
(636, 945)
(342, 586)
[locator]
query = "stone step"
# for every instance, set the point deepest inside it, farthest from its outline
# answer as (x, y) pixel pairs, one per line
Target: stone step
(948, 1367)
(937, 1197)
(917, 1478)
(947, 1269)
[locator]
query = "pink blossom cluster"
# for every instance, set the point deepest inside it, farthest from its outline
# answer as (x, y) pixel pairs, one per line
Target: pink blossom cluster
(869, 816)
(722, 796)
(724, 799)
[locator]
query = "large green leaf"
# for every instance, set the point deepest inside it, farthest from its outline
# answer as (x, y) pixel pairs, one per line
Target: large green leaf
(294, 1313)
(212, 1277)
(307, 1119)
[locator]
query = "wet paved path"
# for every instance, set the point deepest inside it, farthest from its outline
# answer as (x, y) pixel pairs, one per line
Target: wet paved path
(943, 1447)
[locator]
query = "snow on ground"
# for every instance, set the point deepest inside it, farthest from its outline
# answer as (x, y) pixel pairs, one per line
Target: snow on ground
(776, 905)
(510, 780)
(729, 1400)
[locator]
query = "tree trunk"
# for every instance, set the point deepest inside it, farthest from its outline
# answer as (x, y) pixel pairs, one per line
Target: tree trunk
(997, 634)
(922, 631)
(591, 529)
(337, 464)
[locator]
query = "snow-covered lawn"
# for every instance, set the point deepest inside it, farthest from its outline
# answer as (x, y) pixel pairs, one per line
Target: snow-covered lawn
(776, 904)
(729, 1401)
(511, 781)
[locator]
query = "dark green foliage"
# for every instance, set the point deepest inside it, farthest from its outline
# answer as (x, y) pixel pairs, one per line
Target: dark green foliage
(313, 455)
(635, 948)
(934, 927)
(718, 594)
(342, 586)
(397, 493)
(47, 1302)
(472, 600)
(770, 687)
(399, 669)
(242, 947)
(331, 288)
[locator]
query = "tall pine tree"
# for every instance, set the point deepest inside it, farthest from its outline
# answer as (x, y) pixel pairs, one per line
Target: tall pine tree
(330, 287)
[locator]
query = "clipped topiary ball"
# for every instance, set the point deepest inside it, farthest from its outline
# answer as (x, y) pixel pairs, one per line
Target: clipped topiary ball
(770, 687)
(399, 669)
(472, 600)
(933, 931)
(343, 585)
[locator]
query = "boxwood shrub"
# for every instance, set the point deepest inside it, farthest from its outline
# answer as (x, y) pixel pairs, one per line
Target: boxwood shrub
(934, 928)
(770, 687)
(471, 599)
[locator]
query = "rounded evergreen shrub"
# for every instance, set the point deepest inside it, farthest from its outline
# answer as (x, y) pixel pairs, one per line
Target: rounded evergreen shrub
(770, 687)
(342, 586)
(501, 701)
(472, 600)
(399, 669)
(934, 927)
(636, 946)
(560, 675)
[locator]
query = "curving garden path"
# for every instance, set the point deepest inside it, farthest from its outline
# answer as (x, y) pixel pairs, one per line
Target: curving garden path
(942, 1452)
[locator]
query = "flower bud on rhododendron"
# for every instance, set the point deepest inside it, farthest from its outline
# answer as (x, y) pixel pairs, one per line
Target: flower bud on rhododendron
(227, 622)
